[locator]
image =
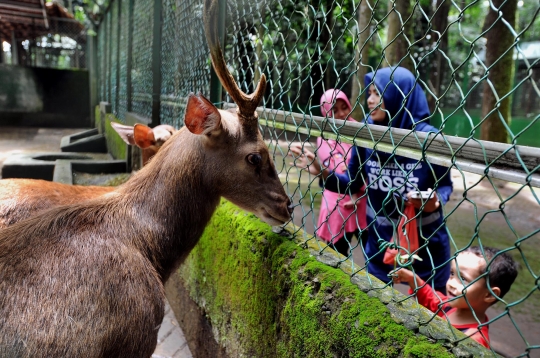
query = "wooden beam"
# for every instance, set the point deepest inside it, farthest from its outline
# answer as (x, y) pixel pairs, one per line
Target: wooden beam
(8, 12)
(17, 5)
(23, 20)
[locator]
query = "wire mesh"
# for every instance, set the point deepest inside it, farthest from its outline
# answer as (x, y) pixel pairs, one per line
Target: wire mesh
(184, 64)
(141, 73)
(474, 89)
(125, 23)
(114, 36)
(102, 67)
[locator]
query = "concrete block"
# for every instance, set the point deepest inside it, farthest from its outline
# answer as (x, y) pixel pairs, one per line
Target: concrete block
(86, 141)
(40, 165)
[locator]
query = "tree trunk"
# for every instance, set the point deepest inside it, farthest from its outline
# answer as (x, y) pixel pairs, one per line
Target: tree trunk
(398, 39)
(439, 66)
(501, 74)
(361, 58)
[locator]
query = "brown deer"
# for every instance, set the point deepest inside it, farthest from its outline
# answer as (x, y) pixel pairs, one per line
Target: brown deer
(23, 198)
(86, 280)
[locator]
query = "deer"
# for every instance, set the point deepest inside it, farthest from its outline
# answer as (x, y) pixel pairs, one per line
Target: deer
(87, 279)
(23, 198)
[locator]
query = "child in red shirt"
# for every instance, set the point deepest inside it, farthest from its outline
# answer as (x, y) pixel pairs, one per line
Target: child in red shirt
(468, 295)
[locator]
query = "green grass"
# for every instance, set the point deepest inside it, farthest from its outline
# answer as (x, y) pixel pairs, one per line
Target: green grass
(462, 122)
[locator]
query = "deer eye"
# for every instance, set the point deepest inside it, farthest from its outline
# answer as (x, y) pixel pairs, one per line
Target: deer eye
(254, 159)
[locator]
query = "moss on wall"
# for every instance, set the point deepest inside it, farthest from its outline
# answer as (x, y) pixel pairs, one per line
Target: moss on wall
(97, 116)
(265, 296)
(115, 145)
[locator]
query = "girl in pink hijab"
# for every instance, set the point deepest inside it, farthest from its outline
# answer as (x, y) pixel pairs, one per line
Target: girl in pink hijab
(338, 217)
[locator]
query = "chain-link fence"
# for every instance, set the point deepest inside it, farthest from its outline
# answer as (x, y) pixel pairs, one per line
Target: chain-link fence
(474, 74)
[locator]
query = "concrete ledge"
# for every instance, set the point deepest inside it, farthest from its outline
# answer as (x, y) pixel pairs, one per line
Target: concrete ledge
(272, 294)
(85, 141)
(41, 165)
(63, 171)
(104, 109)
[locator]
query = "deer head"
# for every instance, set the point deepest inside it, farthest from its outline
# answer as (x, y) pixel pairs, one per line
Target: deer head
(243, 167)
(144, 137)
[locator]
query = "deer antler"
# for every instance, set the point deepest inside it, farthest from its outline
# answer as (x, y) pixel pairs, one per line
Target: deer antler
(247, 104)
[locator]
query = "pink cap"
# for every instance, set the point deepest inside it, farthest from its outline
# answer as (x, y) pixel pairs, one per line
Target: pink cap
(329, 98)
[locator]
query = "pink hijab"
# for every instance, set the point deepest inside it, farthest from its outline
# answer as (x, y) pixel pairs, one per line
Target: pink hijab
(334, 218)
(329, 98)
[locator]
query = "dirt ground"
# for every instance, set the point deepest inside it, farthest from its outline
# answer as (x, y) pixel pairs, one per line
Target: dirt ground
(506, 213)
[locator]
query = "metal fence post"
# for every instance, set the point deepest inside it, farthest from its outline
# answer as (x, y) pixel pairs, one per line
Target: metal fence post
(109, 54)
(118, 67)
(129, 60)
(156, 64)
(215, 84)
(93, 73)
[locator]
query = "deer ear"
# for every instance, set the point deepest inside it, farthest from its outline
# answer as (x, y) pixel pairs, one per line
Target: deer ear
(125, 132)
(202, 117)
(144, 136)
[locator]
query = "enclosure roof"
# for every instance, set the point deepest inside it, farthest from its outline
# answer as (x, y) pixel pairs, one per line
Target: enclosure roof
(28, 19)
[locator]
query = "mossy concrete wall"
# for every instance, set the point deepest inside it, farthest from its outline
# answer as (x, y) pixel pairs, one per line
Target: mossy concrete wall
(44, 97)
(115, 145)
(246, 291)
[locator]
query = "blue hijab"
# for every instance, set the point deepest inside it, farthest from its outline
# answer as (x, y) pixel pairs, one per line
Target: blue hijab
(395, 84)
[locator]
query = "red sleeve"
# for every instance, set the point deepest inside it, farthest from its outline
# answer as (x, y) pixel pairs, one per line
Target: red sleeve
(428, 298)
(480, 339)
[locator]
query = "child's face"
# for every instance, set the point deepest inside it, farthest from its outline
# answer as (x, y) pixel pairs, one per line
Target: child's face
(470, 267)
(374, 98)
(340, 109)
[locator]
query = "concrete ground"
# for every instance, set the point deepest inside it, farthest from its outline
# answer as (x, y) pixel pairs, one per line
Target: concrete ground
(15, 140)
(171, 340)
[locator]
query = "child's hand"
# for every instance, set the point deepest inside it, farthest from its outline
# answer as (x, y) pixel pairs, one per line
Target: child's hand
(402, 275)
(349, 205)
(431, 204)
(342, 168)
(304, 159)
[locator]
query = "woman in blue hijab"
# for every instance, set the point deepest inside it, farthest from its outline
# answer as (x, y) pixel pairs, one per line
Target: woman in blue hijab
(390, 179)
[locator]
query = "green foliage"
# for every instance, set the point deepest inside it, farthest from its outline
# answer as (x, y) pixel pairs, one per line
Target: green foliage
(308, 47)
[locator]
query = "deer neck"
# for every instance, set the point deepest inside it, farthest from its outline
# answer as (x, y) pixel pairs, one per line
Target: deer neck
(173, 199)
